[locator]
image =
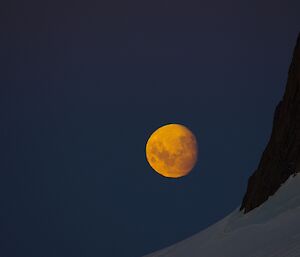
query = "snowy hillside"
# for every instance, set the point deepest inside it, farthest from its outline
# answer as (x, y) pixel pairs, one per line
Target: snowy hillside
(271, 230)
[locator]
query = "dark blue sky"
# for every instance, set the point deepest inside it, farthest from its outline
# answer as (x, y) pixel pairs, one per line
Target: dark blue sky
(84, 83)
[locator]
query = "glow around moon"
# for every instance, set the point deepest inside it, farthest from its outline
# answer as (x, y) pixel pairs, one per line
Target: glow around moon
(172, 150)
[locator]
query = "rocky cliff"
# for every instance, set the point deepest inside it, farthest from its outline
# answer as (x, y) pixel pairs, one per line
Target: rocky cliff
(281, 157)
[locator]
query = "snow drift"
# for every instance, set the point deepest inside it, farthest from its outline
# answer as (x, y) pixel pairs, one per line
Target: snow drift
(271, 230)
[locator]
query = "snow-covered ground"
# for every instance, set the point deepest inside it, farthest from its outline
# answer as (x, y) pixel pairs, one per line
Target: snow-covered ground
(271, 230)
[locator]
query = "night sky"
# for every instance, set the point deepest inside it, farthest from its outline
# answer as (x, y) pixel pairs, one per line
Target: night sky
(84, 83)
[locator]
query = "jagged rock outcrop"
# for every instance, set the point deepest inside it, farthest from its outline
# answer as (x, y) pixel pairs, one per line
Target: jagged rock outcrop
(281, 157)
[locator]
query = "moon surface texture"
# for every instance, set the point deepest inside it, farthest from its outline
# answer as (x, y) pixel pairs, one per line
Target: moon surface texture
(172, 150)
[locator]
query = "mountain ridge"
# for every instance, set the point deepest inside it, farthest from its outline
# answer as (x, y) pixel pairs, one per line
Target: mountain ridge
(281, 157)
(270, 230)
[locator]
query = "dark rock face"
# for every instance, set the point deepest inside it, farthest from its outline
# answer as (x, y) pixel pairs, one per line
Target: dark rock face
(281, 157)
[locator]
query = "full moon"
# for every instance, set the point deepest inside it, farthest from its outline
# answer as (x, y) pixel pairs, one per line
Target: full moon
(172, 150)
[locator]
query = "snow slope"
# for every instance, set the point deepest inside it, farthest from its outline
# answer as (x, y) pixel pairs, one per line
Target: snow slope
(271, 230)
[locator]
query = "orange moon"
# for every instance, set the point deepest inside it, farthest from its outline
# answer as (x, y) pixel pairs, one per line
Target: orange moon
(172, 150)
